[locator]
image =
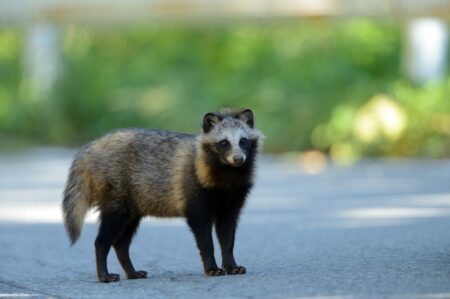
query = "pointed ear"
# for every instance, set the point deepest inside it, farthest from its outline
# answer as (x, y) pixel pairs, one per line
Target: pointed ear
(247, 116)
(209, 121)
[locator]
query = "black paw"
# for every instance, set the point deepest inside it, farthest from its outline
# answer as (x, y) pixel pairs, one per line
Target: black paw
(108, 277)
(215, 272)
(235, 270)
(137, 275)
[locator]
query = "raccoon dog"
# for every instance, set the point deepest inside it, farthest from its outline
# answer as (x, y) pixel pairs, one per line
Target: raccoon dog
(132, 173)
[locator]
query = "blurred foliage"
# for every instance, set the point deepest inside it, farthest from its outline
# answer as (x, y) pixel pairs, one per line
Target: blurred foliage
(333, 86)
(409, 121)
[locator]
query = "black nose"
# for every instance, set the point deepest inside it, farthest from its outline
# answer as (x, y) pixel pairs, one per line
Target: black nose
(238, 159)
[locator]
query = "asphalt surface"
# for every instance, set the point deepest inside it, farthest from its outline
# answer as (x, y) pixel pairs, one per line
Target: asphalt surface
(378, 229)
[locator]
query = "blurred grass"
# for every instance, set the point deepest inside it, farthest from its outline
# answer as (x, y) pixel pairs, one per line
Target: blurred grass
(316, 84)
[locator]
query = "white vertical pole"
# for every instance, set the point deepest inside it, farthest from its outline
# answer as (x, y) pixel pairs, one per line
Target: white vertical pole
(425, 50)
(41, 58)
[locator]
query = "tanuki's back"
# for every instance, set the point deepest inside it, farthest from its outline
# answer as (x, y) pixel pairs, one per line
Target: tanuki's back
(138, 164)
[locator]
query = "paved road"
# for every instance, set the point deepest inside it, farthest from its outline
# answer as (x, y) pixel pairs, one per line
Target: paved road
(378, 229)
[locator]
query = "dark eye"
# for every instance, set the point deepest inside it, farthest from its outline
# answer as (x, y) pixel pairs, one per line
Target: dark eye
(224, 144)
(244, 142)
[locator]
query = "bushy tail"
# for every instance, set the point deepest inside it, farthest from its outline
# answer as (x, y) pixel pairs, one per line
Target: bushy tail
(75, 205)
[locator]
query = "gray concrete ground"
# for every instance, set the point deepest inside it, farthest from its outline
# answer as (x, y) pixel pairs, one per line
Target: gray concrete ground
(378, 229)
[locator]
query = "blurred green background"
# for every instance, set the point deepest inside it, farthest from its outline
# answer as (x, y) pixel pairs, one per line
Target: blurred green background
(333, 86)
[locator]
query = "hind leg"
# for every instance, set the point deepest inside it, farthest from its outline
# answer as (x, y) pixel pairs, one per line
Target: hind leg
(111, 227)
(122, 247)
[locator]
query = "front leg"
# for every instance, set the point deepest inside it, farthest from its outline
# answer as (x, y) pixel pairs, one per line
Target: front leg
(226, 230)
(201, 226)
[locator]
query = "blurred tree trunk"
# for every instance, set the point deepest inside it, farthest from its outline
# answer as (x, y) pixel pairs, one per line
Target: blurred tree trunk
(425, 50)
(41, 61)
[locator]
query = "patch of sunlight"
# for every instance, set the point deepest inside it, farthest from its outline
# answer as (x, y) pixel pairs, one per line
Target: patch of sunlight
(32, 213)
(164, 221)
(381, 116)
(365, 127)
(393, 213)
(30, 195)
(51, 213)
(357, 223)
